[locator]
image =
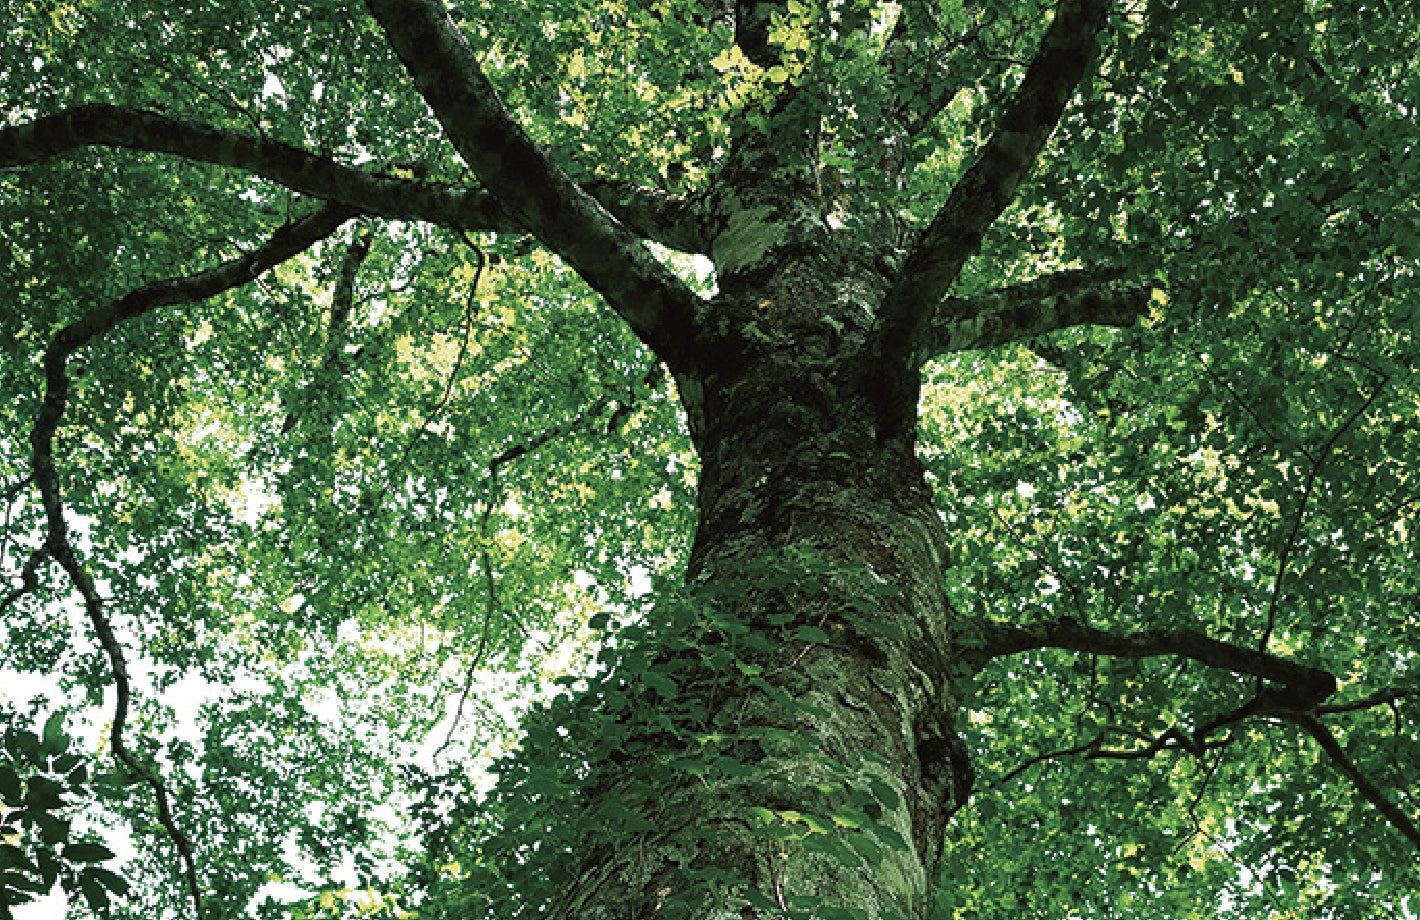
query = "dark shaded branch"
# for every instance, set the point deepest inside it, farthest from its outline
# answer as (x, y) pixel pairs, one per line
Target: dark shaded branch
(657, 305)
(342, 302)
(1303, 688)
(299, 170)
(1347, 768)
(983, 192)
(653, 214)
(1388, 697)
(649, 213)
(289, 241)
(1058, 301)
(1171, 739)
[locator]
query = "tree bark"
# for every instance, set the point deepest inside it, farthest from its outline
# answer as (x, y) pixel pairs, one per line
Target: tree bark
(804, 758)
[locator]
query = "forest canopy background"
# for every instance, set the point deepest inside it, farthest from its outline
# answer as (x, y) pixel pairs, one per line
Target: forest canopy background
(352, 395)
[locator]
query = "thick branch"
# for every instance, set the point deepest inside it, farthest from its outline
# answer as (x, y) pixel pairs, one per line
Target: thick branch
(653, 214)
(1059, 301)
(1303, 687)
(649, 213)
(984, 191)
(285, 243)
(299, 170)
(655, 303)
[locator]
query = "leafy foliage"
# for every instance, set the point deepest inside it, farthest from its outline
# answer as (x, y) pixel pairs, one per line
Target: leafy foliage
(40, 781)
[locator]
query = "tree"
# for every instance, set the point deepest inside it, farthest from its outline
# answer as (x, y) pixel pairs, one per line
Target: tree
(1031, 486)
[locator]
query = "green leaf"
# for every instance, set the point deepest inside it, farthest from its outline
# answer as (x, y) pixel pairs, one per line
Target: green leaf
(811, 634)
(55, 740)
(94, 892)
(87, 852)
(52, 830)
(44, 794)
(110, 880)
(11, 792)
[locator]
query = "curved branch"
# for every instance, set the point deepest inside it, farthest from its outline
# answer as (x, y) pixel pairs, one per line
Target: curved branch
(285, 243)
(1297, 700)
(657, 305)
(297, 169)
(649, 213)
(1060, 301)
(1303, 688)
(979, 197)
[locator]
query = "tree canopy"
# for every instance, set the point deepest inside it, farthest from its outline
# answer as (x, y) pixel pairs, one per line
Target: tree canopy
(377, 374)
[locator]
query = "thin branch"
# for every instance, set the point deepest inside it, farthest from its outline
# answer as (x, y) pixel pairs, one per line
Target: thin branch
(490, 607)
(297, 169)
(1307, 488)
(442, 403)
(342, 302)
(1387, 697)
(289, 241)
(1059, 301)
(1303, 688)
(1212, 373)
(1197, 800)
(657, 305)
(1086, 747)
(1347, 768)
(913, 58)
(983, 192)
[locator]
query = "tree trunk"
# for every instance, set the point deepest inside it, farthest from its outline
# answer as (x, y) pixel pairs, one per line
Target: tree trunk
(784, 731)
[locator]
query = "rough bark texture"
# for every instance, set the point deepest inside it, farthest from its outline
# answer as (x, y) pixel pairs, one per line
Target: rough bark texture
(794, 466)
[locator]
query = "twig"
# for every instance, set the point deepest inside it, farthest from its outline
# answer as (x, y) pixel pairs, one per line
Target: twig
(1307, 488)
(488, 610)
(1093, 744)
(433, 414)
